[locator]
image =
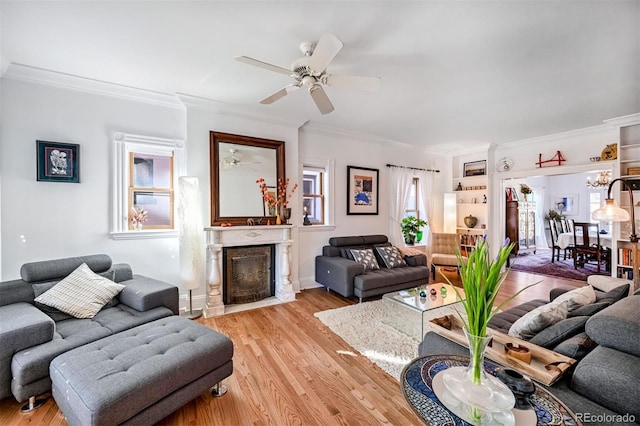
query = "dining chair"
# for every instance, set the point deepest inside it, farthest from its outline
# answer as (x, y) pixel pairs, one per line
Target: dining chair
(555, 228)
(587, 247)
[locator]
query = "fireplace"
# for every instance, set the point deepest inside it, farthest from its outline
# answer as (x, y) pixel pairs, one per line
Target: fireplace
(249, 273)
(221, 238)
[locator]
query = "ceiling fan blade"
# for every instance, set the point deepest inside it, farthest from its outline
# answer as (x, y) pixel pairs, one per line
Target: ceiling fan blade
(327, 48)
(280, 94)
(321, 99)
(370, 84)
(260, 64)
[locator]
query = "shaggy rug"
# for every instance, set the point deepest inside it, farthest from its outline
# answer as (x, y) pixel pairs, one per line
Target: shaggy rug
(362, 328)
(540, 263)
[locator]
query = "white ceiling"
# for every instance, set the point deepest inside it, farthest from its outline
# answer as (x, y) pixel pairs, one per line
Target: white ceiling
(454, 73)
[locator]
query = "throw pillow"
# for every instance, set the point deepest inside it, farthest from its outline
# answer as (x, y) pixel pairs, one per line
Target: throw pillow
(366, 257)
(391, 257)
(540, 318)
(613, 295)
(53, 313)
(81, 294)
(576, 298)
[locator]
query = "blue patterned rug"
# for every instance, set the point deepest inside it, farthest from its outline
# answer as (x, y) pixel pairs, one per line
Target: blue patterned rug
(416, 383)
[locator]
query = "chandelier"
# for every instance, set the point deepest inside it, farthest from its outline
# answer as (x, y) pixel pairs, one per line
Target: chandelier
(603, 179)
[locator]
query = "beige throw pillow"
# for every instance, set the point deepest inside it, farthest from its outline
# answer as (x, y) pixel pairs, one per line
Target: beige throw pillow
(81, 294)
(576, 298)
(537, 320)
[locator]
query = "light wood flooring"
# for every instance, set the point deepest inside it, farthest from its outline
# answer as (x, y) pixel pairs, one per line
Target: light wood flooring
(289, 369)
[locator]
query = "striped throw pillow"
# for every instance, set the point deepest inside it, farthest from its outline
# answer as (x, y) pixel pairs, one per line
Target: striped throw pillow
(81, 294)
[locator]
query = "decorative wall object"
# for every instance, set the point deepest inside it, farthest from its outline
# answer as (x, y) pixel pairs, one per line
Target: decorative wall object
(565, 204)
(475, 168)
(58, 162)
(556, 158)
(362, 190)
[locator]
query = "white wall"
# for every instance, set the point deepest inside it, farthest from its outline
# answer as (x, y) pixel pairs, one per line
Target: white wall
(45, 220)
(347, 150)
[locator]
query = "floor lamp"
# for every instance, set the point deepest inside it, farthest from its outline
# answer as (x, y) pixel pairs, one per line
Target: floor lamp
(612, 212)
(191, 240)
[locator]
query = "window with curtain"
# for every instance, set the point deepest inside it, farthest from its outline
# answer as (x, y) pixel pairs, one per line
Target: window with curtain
(412, 207)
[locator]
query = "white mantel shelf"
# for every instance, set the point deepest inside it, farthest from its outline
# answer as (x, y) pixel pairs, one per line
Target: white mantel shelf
(218, 237)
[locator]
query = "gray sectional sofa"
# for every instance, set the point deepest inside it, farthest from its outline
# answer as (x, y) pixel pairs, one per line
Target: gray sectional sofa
(602, 388)
(32, 335)
(337, 270)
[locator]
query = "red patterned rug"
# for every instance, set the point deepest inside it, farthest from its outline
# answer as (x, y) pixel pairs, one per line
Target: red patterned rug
(540, 263)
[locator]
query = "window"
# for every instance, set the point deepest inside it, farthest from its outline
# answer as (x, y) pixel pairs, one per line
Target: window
(595, 202)
(313, 198)
(145, 171)
(412, 208)
(151, 189)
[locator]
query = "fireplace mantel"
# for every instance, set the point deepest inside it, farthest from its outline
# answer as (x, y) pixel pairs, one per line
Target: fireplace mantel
(218, 237)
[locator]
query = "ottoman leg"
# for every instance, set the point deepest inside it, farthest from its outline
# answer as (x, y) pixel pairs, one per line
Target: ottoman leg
(218, 390)
(32, 404)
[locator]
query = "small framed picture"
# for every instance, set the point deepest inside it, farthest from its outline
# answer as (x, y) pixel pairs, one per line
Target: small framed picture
(475, 168)
(362, 190)
(58, 162)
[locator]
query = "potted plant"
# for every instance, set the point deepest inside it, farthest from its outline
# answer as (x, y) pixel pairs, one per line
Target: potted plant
(482, 276)
(410, 226)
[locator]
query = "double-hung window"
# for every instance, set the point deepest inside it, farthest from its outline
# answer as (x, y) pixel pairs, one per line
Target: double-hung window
(412, 208)
(145, 173)
(313, 198)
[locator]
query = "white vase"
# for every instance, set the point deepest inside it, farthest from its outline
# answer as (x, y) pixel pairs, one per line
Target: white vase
(137, 226)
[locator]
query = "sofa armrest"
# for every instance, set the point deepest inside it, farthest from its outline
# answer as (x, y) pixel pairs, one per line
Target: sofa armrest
(22, 326)
(558, 291)
(416, 260)
(143, 293)
(337, 273)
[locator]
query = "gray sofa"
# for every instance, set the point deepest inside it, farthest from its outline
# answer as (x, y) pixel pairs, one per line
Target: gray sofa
(32, 335)
(602, 388)
(337, 270)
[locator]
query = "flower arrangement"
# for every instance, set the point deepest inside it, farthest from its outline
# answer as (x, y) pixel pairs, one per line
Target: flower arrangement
(554, 215)
(281, 197)
(525, 189)
(138, 215)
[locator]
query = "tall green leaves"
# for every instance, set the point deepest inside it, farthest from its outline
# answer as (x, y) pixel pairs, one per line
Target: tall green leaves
(481, 280)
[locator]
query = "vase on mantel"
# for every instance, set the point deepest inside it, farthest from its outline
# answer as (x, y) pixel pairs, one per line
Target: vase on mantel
(483, 397)
(278, 219)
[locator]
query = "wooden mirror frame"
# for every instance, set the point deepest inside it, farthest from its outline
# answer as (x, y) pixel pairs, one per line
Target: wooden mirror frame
(215, 138)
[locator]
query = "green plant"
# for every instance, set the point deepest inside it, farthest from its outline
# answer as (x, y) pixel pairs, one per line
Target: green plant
(481, 280)
(410, 226)
(554, 215)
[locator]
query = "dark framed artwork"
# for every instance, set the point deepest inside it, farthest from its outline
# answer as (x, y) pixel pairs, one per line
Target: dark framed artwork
(362, 190)
(58, 162)
(475, 168)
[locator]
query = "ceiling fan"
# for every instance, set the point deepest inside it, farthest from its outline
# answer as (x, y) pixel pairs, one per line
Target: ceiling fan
(310, 72)
(233, 160)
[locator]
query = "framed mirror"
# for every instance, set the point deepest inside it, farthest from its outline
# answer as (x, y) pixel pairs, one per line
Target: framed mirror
(236, 163)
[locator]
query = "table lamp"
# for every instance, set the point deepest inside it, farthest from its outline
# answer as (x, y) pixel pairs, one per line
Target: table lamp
(612, 212)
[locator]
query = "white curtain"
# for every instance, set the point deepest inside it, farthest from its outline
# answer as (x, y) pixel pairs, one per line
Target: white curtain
(541, 223)
(400, 179)
(426, 191)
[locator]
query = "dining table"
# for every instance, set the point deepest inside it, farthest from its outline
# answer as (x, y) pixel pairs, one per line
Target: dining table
(565, 239)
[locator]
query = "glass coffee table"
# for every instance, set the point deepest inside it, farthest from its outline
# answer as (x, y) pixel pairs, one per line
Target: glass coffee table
(409, 313)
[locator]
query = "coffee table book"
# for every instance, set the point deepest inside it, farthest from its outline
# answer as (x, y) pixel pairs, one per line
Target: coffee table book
(546, 366)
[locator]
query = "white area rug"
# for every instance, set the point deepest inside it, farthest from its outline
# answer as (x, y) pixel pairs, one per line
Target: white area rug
(361, 327)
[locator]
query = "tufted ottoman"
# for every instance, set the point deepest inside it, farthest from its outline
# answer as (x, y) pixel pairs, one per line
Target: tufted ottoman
(142, 375)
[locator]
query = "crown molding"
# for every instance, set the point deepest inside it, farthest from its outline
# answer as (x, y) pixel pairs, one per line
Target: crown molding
(626, 120)
(601, 128)
(27, 73)
(232, 110)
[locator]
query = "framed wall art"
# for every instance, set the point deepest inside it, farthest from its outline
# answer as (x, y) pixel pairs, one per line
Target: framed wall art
(566, 204)
(362, 190)
(58, 162)
(475, 168)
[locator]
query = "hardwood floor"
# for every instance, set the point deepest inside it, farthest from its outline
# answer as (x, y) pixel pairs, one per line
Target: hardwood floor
(289, 369)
